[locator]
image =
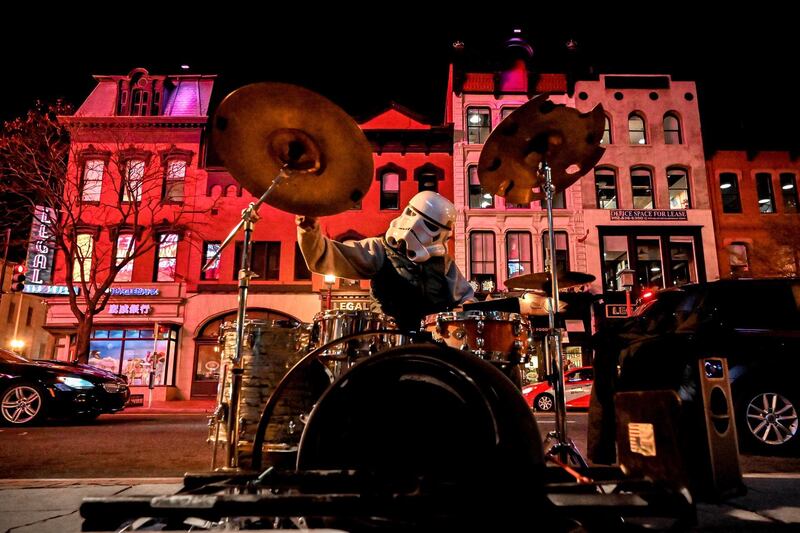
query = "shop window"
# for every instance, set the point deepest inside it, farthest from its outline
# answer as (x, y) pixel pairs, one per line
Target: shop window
(649, 267)
(135, 352)
(615, 260)
(682, 261)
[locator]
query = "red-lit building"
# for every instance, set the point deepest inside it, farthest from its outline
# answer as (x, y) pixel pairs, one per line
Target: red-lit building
(142, 121)
(756, 213)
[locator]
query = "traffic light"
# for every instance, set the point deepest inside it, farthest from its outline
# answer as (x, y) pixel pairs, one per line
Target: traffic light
(18, 279)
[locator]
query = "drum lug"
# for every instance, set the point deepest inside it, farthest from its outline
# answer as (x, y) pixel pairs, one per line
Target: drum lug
(517, 328)
(480, 326)
(479, 343)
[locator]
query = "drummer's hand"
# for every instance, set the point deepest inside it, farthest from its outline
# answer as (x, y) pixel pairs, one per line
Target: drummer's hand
(305, 222)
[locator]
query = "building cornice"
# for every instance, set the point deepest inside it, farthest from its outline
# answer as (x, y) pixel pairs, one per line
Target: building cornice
(135, 123)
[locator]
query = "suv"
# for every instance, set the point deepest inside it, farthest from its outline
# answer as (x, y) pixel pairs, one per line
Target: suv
(755, 324)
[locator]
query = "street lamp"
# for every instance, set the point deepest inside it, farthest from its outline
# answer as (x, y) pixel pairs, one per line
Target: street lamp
(626, 280)
(17, 344)
(330, 279)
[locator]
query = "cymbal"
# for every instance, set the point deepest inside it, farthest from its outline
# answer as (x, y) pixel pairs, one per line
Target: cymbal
(540, 281)
(540, 130)
(259, 128)
(532, 303)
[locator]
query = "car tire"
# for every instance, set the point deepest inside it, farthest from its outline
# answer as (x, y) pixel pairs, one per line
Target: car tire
(22, 404)
(544, 402)
(767, 421)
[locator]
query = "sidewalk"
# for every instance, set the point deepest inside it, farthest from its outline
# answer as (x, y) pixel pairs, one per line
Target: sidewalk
(51, 506)
(175, 406)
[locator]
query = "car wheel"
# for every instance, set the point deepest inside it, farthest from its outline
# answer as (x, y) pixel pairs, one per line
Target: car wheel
(769, 421)
(544, 402)
(22, 404)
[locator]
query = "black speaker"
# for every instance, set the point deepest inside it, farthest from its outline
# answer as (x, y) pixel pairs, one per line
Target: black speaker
(683, 444)
(723, 477)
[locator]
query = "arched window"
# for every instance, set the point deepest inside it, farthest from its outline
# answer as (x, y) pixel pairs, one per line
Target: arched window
(605, 186)
(642, 188)
(607, 138)
(672, 129)
(678, 182)
(636, 129)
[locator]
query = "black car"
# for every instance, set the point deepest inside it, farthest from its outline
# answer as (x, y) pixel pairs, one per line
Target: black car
(755, 324)
(33, 390)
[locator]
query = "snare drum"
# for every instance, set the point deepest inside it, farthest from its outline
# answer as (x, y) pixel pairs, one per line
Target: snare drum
(494, 336)
(335, 324)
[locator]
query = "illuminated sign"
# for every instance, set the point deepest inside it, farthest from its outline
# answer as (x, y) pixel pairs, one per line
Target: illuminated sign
(133, 291)
(129, 309)
(616, 311)
(49, 290)
(649, 214)
(41, 247)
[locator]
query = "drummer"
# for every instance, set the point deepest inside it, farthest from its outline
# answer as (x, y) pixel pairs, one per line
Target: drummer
(411, 273)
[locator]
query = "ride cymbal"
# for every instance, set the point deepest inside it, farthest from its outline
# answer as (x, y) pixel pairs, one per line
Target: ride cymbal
(540, 130)
(540, 281)
(259, 128)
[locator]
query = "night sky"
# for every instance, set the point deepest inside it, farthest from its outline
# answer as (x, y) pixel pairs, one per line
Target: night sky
(743, 64)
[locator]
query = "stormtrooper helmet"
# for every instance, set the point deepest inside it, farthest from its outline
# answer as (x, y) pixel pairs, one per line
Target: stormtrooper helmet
(421, 232)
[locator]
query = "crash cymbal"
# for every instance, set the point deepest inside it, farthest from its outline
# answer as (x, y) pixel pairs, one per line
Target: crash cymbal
(540, 281)
(536, 304)
(259, 128)
(540, 130)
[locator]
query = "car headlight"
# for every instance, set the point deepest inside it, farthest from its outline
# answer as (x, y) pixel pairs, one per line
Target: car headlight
(114, 387)
(75, 383)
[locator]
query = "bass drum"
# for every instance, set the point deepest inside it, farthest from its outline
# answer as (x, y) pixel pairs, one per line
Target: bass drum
(447, 418)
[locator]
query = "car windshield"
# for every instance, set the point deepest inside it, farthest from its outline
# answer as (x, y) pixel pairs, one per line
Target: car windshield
(11, 357)
(666, 311)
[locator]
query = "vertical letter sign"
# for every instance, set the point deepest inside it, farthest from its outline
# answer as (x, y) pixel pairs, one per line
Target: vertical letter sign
(40, 247)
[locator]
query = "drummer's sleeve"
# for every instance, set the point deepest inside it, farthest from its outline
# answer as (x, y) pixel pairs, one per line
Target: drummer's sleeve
(351, 259)
(460, 288)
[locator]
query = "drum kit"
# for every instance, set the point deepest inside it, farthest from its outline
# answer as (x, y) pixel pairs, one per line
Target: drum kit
(420, 422)
(300, 153)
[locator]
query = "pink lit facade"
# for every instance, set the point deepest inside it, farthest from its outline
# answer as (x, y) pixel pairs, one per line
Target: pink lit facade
(177, 310)
(646, 206)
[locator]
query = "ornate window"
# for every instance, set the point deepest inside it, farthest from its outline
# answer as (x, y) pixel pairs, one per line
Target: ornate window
(166, 257)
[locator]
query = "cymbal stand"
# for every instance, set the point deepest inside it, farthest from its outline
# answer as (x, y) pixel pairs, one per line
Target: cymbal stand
(562, 446)
(249, 218)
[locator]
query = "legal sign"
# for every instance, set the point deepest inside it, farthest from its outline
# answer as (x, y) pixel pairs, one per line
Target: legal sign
(41, 247)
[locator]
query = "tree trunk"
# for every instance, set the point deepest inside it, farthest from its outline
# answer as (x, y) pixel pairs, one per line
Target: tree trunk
(82, 338)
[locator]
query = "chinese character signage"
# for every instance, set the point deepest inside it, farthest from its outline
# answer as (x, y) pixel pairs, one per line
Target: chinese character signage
(129, 309)
(41, 247)
(648, 214)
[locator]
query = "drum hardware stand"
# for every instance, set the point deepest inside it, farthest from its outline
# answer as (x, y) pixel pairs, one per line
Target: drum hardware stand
(562, 446)
(249, 218)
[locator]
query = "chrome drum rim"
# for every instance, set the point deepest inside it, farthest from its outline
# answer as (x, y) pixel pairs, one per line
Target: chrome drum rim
(771, 418)
(21, 404)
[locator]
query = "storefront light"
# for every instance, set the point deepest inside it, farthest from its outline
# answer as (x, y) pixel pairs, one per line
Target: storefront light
(75, 383)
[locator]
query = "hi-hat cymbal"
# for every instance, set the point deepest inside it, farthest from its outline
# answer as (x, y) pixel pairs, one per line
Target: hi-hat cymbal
(540, 130)
(259, 128)
(540, 281)
(532, 303)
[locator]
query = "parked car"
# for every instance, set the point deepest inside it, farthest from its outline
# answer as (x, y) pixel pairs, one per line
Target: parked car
(31, 391)
(754, 324)
(577, 390)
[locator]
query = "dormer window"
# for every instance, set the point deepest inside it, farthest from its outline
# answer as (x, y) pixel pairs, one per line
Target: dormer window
(140, 94)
